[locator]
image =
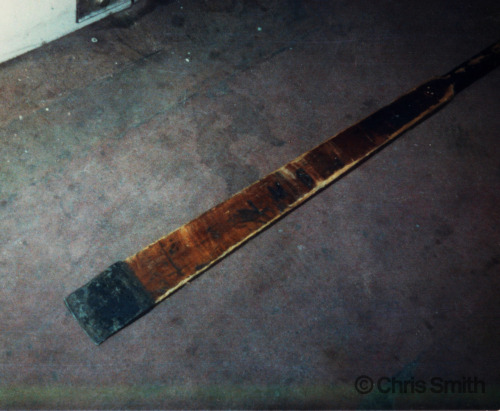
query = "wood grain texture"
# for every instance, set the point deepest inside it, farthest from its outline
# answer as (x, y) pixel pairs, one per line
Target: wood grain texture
(173, 260)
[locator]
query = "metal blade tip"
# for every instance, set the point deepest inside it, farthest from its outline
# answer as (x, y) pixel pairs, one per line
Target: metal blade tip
(109, 302)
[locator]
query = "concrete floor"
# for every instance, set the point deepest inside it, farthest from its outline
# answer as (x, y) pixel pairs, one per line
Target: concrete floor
(391, 272)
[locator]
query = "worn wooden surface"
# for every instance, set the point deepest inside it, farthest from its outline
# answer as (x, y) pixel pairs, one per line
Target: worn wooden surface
(172, 261)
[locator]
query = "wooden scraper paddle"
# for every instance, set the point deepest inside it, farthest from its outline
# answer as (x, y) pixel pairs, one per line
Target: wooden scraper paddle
(130, 288)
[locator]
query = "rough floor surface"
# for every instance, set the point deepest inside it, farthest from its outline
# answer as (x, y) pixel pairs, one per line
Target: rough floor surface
(119, 133)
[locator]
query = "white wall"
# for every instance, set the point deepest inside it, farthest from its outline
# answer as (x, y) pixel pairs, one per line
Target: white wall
(27, 24)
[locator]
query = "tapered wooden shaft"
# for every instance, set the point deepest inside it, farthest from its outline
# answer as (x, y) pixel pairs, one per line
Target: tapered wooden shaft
(128, 289)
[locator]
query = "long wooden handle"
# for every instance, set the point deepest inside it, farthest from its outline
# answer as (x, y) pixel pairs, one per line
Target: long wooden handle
(128, 289)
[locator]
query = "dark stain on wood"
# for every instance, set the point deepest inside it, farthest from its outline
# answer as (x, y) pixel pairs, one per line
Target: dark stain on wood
(168, 256)
(304, 178)
(277, 191)
(252, 214)
(278, 194)
(174, 247)
(213, 233)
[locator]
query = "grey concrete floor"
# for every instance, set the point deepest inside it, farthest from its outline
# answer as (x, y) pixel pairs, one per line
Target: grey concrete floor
(392, 272)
